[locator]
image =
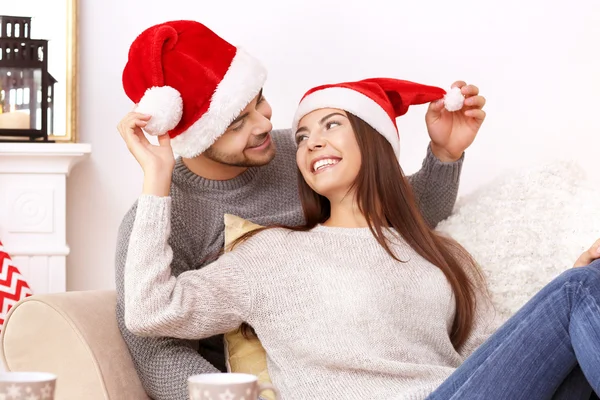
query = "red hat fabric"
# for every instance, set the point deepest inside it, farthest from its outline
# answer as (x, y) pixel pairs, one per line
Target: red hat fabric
(377, 101)
(192, 82)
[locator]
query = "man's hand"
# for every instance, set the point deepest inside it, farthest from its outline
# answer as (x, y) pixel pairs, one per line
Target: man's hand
(590, 255)
(452, 133)
(157, 162)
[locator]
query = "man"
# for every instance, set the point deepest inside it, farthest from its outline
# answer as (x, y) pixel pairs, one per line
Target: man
(208, 96)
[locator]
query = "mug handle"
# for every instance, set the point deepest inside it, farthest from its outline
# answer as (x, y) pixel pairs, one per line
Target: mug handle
(262, 387)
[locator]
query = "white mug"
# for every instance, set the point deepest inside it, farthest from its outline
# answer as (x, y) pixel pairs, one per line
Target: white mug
(227, 386)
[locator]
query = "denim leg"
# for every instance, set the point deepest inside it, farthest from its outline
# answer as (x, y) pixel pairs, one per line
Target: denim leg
(536, 350)
(574, 387)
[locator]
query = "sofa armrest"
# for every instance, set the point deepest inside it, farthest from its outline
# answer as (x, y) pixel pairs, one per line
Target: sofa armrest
(75, 336)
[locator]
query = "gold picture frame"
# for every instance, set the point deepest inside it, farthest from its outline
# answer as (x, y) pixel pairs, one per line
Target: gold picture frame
(71, 77)
(57, 22)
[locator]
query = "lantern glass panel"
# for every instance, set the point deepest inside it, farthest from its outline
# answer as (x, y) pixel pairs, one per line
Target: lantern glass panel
(20, 98)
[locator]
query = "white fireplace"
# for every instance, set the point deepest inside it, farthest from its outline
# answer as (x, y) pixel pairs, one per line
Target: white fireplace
(33, 211)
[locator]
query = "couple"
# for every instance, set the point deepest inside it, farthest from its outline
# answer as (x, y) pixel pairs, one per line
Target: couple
(361, 299)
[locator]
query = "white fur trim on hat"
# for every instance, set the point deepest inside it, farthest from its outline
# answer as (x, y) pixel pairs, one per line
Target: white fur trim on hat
(165, 106)
(354, 102)
(242, 82)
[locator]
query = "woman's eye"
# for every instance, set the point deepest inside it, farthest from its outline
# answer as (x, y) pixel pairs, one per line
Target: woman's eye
(332, 124)
(300, 138)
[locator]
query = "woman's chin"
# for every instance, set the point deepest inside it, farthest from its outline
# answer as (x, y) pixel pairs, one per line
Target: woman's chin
(331, 191)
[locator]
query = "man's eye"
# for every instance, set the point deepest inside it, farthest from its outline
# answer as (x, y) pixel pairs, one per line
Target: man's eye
(238, 126)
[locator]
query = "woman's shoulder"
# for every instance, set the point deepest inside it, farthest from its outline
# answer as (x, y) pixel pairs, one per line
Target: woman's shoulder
(268, 239)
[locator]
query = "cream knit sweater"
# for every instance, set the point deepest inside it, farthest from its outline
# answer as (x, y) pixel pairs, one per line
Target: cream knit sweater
(338, 317)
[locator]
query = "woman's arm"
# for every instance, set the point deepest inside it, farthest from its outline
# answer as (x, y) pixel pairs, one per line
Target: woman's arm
(194, 305)
(435, 187)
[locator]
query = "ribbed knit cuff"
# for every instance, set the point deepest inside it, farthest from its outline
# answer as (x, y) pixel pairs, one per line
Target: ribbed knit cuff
(442, 171)
(153, 212)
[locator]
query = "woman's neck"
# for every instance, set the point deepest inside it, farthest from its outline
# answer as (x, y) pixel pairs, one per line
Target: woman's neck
(346, 214)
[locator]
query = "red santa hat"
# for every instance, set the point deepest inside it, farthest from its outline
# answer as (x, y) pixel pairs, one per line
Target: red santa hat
(192, 82)
(377, 101)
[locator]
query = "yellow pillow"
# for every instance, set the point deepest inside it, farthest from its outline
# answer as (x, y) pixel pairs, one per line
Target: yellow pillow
(244, 355)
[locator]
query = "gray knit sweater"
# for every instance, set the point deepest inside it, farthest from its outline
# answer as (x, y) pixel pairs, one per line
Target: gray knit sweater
(265, 195)
(338, 317)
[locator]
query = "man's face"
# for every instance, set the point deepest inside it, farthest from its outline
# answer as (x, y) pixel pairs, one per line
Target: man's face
(247, 142)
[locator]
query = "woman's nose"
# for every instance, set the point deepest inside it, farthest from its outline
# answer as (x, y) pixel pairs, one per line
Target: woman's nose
(315, 142)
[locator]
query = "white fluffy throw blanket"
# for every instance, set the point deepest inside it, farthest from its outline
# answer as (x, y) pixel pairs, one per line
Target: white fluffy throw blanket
(526, 228)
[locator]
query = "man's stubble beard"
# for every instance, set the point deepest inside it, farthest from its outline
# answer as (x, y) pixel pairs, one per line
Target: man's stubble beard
(240, 160)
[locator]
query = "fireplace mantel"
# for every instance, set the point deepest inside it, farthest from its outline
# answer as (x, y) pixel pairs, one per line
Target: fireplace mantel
(33, 179)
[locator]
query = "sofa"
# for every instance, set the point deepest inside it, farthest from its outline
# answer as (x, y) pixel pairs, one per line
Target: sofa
(523, 228)
(75, 336)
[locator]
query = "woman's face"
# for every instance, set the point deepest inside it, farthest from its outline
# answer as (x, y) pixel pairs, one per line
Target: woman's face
(328, 155)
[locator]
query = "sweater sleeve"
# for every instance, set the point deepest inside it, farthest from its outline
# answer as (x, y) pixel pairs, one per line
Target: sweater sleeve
(435, 187)
(194, 305)
(162, 364)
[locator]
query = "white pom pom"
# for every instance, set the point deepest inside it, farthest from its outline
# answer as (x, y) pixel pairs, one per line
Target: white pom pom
(454, 100)
(165, 105)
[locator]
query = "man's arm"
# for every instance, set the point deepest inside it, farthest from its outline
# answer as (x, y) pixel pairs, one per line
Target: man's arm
(435, 187)
(163, 364)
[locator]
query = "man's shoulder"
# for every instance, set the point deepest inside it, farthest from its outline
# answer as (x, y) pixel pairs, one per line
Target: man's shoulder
(284, 141)
(284, 132)
(285, 150)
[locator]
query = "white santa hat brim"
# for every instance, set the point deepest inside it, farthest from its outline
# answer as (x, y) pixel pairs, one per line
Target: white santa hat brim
(353, 102)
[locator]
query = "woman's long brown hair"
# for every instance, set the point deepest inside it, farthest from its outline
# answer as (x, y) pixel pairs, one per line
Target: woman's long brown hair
(386, 199)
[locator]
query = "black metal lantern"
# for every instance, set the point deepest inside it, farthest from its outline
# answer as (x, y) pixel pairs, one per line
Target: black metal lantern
(26, 87)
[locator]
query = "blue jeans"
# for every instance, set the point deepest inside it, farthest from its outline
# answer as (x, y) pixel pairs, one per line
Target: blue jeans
(550, 349)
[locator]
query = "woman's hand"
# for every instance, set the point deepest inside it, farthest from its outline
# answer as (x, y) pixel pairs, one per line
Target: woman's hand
(590, 255)
(452, 132)
(157, 162)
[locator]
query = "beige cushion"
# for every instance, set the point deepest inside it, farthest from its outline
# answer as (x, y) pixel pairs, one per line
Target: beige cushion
(244, 355)
(75, 336)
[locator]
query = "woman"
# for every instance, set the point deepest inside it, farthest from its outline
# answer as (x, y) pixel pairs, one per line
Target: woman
(364, 301)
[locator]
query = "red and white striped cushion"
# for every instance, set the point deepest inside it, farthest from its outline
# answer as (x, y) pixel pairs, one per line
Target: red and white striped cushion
(13, 286)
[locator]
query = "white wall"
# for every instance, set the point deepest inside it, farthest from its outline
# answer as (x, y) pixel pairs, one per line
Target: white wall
(539, 74)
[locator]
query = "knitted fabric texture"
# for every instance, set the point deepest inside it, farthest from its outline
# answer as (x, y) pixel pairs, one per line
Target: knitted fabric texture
(265, 195)
(338, 317)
